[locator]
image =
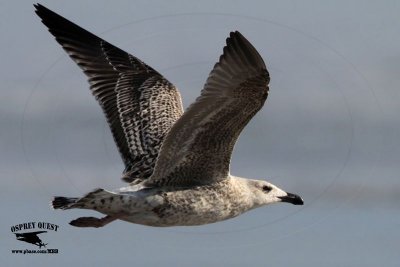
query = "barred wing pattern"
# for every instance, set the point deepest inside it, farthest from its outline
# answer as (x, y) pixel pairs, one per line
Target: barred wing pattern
(140, 105)
(198, 148)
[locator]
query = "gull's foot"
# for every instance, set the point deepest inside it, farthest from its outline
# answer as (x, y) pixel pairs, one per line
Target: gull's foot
(92, 221)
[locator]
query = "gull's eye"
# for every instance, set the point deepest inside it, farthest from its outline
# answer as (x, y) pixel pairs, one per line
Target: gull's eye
(267, 188)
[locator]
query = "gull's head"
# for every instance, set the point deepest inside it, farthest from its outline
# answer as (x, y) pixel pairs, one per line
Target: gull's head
(266, 193)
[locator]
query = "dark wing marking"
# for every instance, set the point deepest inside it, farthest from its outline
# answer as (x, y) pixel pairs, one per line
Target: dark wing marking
(140, 105)
(198, 148)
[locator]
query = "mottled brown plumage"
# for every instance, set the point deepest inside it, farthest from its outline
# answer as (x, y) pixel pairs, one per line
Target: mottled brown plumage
(179, 163)
(199, 146)
(139, 103)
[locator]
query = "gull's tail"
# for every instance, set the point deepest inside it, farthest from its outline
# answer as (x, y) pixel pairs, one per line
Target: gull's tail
(63, 203)
(92, 200)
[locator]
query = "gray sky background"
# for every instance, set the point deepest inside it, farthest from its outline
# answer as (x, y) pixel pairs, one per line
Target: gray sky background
(329, 131)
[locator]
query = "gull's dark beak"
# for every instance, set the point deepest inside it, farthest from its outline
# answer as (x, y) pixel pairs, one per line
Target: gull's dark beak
(292, 198)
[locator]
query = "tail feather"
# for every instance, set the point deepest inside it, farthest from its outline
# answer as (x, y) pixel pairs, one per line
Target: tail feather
(63, 202)
(85, 202)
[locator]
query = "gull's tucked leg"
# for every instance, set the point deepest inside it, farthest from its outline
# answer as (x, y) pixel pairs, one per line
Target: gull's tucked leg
(93, 222)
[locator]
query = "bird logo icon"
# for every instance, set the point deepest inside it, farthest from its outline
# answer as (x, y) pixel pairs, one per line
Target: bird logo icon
(31, 237)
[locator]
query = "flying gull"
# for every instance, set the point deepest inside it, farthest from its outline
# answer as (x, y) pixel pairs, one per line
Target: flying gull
(176, 163)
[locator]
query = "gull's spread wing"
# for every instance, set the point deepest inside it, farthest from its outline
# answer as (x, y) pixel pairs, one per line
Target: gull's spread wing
(140, 105)
(198, 148)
